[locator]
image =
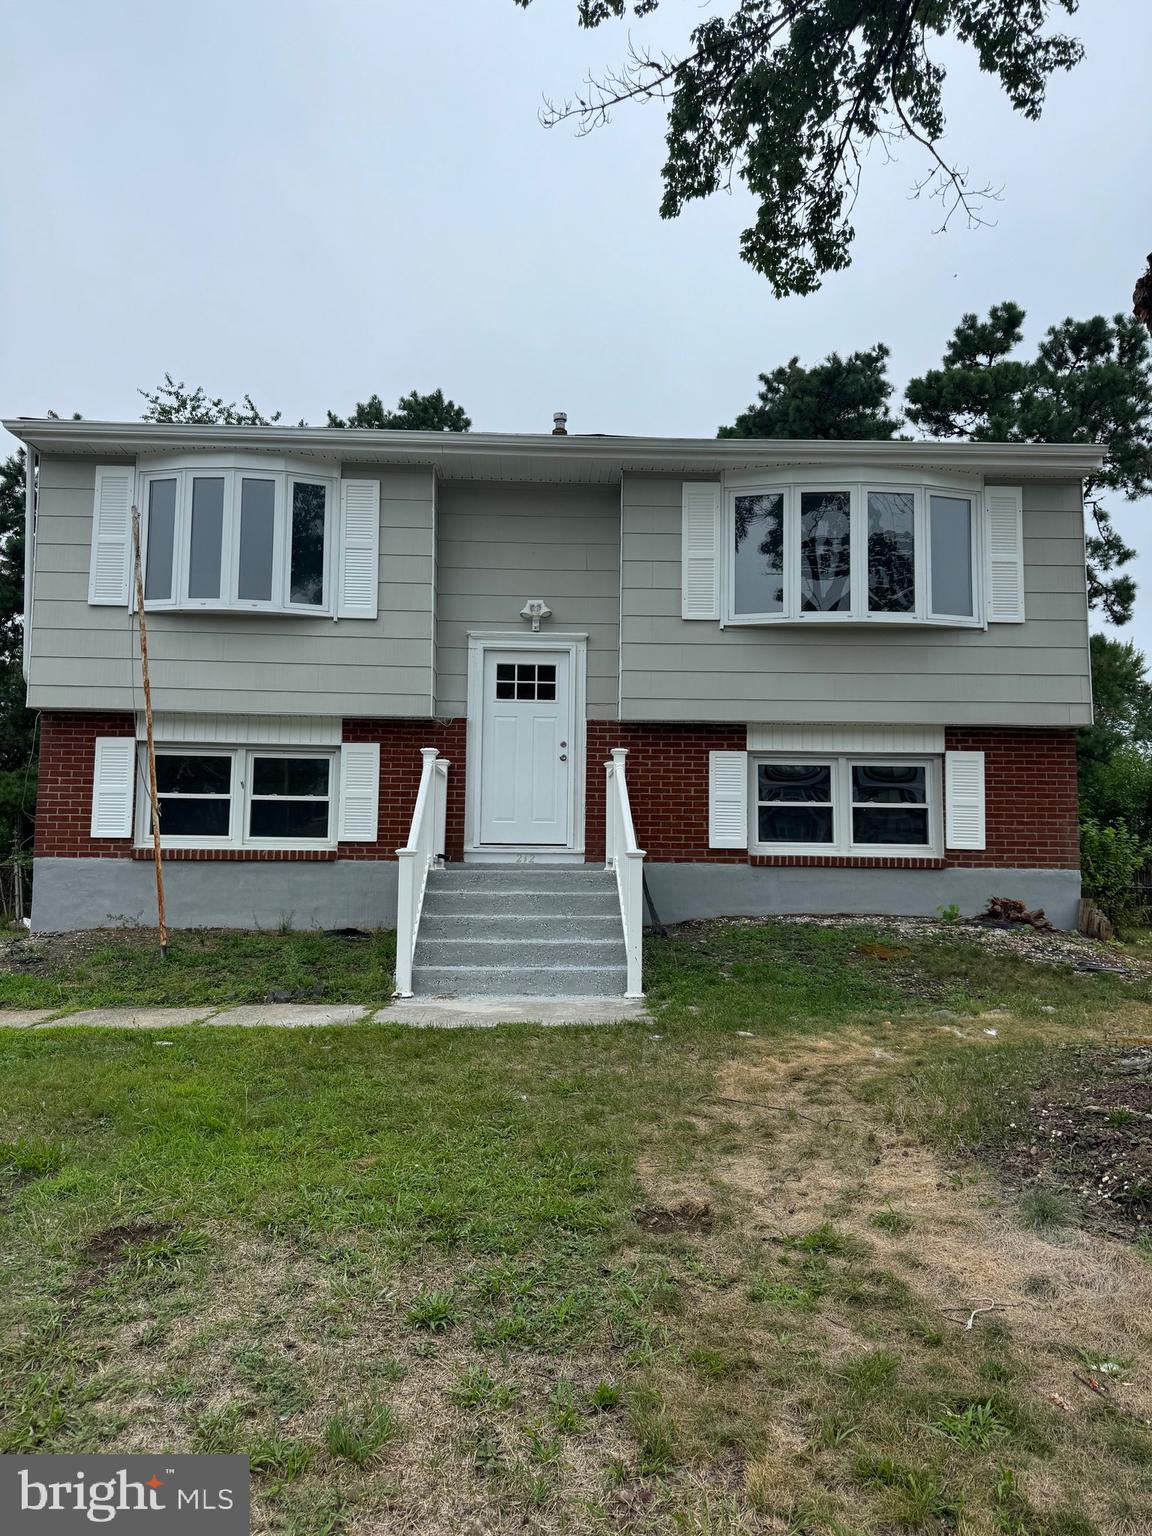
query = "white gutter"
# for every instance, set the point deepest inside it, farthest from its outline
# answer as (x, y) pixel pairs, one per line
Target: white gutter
(652, 454)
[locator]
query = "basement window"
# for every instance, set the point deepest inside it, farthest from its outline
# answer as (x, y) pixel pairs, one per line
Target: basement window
(846, 805)
(240, 798)
(244, 539)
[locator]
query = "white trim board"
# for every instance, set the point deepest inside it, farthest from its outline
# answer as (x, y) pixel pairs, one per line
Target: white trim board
(576, 645)
(845, 738)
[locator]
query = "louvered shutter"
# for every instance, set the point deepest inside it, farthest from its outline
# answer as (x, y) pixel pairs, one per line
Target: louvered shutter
(108, 574)
(359, 563)
(112, 782)
(1005, 516)
(359, 791)
(727, 799)
(700, 551)
(964, 799)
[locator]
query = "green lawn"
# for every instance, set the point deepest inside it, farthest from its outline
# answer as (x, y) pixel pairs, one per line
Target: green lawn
(691, 1276)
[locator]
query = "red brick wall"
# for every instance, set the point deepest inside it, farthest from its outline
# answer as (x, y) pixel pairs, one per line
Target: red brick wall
(64, 795)
(667, 768)
(64, 801)
(1030, 792)
(400, 765)
(1030, 777)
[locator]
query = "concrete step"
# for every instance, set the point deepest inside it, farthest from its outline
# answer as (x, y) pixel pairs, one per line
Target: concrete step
(532, 924)
(520, 952)
(560, 905)
(519, 981)
(522, 877)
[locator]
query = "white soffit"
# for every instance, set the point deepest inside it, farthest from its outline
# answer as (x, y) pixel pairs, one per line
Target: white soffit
(846, 738)
(244, 730)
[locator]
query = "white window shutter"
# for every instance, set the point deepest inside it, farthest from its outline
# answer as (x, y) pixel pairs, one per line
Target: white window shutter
(700, 551)
(1005, 554)
(359, 563)
(727, 799)
(113, 779)
(964, 799)
(109, 572)
(359, 791)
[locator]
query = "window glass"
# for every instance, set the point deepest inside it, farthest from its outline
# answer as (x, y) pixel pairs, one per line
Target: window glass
(161, 540)
(891, 552)
(306, 577)
(951, 533)
(289, 798)
(794, 803)
(193, 792)
(825, 551)
(257, 535)
(759, 565)
(889, 804)
(207, 538)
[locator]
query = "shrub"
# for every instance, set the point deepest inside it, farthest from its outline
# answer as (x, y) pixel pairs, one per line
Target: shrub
(1111, 857)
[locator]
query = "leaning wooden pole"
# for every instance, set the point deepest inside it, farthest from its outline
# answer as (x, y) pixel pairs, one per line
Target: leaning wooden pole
(161, 924)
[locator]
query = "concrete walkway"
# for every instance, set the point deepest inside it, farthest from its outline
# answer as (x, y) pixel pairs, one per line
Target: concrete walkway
(419, 1013)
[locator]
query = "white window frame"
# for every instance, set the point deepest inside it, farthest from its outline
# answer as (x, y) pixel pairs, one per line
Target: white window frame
(234, 469)
(240, 797)
(842, 844)
(792, 487)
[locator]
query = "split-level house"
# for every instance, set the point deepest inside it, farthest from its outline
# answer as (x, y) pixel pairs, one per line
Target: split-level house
(829, 677)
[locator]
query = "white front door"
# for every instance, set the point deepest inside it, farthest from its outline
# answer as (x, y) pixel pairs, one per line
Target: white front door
(526, 758)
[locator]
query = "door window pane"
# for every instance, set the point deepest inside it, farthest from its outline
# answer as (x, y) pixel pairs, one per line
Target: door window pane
(207, 537)
(257, 532)
(306, 578)
(759, 568)
(951, 521)
(161, 540)
(891, 552)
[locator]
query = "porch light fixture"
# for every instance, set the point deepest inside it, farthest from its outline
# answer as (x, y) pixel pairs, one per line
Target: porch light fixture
(535, 609)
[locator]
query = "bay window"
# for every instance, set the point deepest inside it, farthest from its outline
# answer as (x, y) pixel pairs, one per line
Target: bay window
(244, 539)
(835, 553)
(838, 804)
(242, 798)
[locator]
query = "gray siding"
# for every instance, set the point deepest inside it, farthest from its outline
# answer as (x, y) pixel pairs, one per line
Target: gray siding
(1036, 673)
(82, 657)
(497, 546)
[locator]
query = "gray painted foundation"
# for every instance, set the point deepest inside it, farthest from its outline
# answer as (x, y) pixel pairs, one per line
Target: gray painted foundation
(683, 891)
(71, 894)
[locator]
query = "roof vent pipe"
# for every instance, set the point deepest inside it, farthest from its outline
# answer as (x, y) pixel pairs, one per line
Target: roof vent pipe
(560, 424)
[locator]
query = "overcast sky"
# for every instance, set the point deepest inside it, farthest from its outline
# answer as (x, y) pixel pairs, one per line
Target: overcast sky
(316, 199)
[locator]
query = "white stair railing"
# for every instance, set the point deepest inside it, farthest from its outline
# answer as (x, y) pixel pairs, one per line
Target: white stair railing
(425, 845)
(627, 860)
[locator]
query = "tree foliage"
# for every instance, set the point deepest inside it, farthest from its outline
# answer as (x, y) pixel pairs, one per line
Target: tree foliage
(414, 413)
(1115, 752)
(790, 95)
(1089, 382)
(842, 397)
(173, 403)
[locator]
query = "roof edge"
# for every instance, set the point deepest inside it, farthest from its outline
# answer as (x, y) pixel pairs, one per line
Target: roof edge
(134, 437)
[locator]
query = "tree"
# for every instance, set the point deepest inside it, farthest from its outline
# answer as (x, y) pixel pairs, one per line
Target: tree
(1090, 382)
(1142, 295)
(842, 397)
(414, 413)
(17, 723)
(171, 403)
(1115, 752)
(789, 96)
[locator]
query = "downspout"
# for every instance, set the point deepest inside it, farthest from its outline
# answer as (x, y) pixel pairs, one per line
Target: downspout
(30, 463)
